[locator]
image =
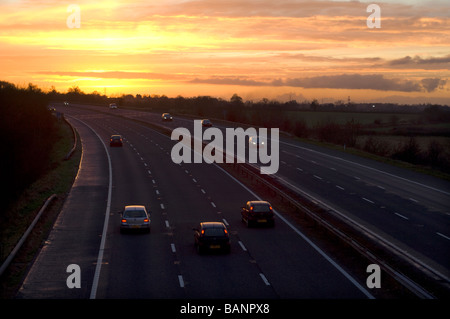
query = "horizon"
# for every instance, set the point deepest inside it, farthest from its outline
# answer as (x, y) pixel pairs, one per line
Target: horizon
(302, 50)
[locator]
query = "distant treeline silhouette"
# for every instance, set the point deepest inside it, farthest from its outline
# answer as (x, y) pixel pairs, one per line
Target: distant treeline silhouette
(28, 130)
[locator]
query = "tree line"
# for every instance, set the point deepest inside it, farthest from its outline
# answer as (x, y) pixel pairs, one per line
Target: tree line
(27, 133)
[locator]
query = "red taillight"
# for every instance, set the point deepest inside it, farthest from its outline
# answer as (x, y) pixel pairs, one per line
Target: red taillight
(146, 220)
(203, 231)
(124, 220)
(225, 231)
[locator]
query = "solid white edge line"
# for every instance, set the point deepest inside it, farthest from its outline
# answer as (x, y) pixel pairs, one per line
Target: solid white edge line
(105, 223)
(320, 251)
(367, 167)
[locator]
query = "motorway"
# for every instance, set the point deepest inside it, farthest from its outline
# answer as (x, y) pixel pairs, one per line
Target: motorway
(408, 210)
(272, 263)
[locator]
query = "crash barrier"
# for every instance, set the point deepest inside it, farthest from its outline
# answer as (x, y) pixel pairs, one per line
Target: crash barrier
(354, 236)
(24, 237)
(67, 157)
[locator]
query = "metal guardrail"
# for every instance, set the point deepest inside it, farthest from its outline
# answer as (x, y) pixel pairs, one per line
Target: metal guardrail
(67, 157)
(24, 237)
(351, 241)
(19, 244)
(269, 182)
(370, 255)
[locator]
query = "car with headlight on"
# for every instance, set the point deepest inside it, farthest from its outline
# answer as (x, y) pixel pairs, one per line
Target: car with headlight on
(211, 236)
(256, 141)
(258, 212)
(135, 217)
(116, 140)
(166, 117)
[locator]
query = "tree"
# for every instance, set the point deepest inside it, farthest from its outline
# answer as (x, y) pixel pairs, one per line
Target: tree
(75, 90)
(236, 100)
(314, 104)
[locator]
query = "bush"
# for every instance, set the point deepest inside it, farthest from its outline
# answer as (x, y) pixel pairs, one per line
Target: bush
(28, 133)
(409, 152)
(377, 146)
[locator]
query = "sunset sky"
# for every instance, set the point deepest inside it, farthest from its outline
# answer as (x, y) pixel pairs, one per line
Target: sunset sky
(256, 48)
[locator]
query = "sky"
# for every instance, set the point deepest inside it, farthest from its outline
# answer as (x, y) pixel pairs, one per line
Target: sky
(284, 49)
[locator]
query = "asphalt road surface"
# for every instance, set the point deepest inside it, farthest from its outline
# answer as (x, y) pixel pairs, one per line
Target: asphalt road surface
(408, 210)
(264, 263)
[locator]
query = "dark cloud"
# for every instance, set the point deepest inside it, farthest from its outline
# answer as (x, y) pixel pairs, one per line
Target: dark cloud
(431, 84)
(343, 81)
(356, 81)
(418, 61)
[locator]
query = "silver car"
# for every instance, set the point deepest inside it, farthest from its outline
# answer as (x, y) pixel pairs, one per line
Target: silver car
(135, 217)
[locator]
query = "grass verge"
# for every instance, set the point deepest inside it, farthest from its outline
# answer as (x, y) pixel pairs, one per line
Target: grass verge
(58, 180)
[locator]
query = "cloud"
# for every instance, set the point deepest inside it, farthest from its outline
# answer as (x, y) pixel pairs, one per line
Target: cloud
(113, 74)
(344, 81)
(431, 84)
(356, 81)
(418, 61)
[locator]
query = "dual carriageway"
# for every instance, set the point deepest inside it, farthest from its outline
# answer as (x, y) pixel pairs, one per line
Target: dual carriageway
(407, 209)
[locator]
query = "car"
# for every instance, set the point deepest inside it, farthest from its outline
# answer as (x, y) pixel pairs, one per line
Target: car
(166, 117)
(116, 140)
(258, 212)
(255, 141)
(206, 123)
(66, 103)
(135, 217)
(211, 236)
(113, 106)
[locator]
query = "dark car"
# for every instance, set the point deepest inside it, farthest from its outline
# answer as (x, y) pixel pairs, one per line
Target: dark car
(258, 213)
(211, 236)
(166, 117)
(206, 123)
(116, 140)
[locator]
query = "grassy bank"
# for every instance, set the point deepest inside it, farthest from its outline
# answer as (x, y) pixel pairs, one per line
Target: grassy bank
(58, 180)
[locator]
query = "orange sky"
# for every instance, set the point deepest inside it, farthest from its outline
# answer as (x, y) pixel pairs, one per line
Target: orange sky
(256, 48)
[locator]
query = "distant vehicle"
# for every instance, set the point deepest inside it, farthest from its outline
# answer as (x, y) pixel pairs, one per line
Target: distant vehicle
(258, 213)
(113, 106)
(211, 236)
(51, 109)
(255, 141)
(116, 140)
(166, 117)
(66, 103)
(206, 123)
(135, 217)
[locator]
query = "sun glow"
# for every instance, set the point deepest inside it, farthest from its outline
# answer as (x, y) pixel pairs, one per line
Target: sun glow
(210, 47)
